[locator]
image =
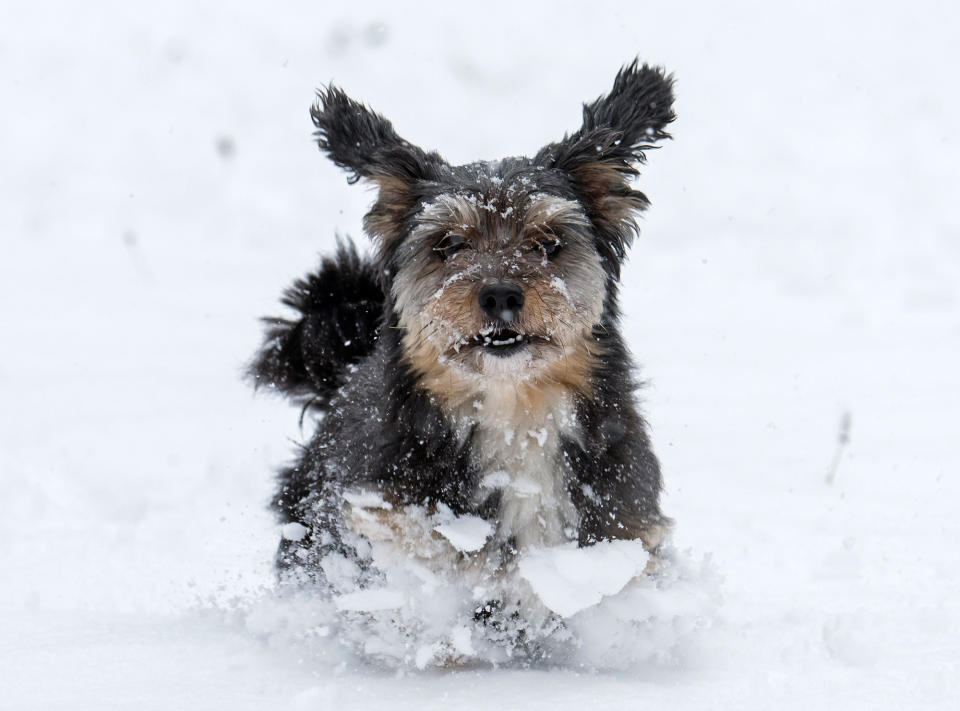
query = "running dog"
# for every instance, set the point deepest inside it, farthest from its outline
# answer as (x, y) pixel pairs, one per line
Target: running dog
(473, 365)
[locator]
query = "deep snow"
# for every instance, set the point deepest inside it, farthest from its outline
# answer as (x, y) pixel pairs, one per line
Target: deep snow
(799, 265)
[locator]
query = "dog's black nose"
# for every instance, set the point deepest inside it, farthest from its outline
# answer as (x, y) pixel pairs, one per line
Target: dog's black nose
(501, 301)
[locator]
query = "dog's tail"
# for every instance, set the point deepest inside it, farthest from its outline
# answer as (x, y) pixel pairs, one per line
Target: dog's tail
(340, 308)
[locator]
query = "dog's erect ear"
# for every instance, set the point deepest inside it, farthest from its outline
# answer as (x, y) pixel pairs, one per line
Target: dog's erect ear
(364, 143)
(601, 157)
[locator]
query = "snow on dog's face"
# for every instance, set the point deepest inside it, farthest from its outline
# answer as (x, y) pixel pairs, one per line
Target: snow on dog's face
(504, 283)
(503, 270)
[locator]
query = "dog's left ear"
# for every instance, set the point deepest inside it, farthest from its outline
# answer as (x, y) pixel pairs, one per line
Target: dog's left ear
(600, 159)
(364, 143)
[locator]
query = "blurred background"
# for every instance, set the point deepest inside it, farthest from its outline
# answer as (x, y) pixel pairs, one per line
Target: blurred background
(793, 301)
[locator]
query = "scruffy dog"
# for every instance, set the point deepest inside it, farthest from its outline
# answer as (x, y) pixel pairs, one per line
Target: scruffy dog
(474, 364)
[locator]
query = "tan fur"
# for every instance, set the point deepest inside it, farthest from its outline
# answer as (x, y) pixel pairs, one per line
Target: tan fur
(393, 200)
(606, 189)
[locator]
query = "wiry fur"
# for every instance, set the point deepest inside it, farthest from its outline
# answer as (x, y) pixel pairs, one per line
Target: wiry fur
(547, 445)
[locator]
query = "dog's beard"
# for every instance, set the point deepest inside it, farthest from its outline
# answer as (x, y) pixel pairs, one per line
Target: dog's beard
(504, 353)
(458, 362)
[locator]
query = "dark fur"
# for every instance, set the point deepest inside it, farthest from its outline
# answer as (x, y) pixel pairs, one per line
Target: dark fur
(339, 309)
(378, 427)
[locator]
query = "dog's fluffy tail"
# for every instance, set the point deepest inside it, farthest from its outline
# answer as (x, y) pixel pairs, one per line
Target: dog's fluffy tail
(340, 307)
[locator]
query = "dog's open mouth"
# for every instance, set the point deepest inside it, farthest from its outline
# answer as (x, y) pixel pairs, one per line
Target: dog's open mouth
(501, 342)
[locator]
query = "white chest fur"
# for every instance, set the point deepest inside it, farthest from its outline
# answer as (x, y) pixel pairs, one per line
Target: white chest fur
(517, 443)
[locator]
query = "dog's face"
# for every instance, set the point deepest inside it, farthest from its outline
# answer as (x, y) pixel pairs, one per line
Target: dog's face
(503, 282)
(503, 270)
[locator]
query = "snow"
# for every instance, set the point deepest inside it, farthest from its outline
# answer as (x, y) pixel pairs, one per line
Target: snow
(419, 612)
(571, 579)
(599, 608)
(366, 499)
(800, 261)
(466, 533)
(370, 600)
(293, 531)
(540, 435)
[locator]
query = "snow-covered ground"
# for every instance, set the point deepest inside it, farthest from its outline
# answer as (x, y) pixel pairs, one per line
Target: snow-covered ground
(799, 267)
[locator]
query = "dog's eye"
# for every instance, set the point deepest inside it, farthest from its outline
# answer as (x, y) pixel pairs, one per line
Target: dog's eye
(549, 245)
(450, 245)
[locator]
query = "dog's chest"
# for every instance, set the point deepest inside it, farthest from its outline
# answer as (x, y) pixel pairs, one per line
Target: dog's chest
(517, 447)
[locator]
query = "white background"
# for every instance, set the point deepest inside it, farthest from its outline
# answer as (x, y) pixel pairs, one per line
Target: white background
(800, 260)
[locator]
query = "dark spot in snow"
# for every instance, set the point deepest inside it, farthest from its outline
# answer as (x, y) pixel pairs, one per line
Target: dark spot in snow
(226, 147)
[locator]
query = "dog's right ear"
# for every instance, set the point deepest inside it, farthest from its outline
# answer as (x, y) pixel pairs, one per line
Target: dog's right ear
(364, 143)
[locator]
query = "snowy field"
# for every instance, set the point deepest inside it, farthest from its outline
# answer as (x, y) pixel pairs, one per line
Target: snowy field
(799, 268)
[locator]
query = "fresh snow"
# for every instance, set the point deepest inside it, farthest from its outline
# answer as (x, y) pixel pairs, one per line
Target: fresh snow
(294, 531)
(571, 579)
(796, 279)
(466, 533)
(370, 600)
(367, 500)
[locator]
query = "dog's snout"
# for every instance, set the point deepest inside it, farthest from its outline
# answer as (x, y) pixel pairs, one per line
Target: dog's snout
(501, 301)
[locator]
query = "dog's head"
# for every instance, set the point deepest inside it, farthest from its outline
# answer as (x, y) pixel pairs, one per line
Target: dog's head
(503, 269)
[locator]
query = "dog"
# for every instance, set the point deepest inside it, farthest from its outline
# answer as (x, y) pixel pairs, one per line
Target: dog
(473, 366)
